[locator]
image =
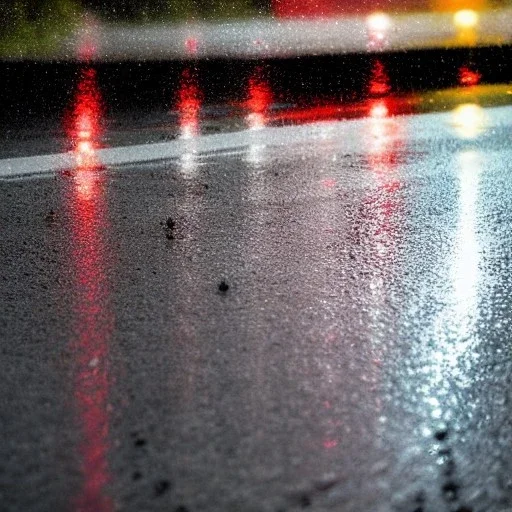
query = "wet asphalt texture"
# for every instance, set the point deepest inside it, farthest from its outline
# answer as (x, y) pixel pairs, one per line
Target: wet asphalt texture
(266, 329)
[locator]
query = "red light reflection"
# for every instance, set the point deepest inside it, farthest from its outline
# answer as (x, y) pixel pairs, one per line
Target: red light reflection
(381, 214)
(384, 130)
(382, 157)
(329, 183)
(376, 108)
(303, 9)
(84, 131)
(331, 440)
(259, 101)
(92, 319)
(379, 80)
(88, 38)
(189, 104)
(331, 8)
(85, 127)
(93, 328)
(191, 45)
(468, 77)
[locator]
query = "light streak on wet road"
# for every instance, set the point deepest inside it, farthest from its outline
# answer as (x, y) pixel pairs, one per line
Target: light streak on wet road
(188, 105)
(92, 321)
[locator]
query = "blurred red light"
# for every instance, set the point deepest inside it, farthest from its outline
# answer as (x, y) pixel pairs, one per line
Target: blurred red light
(191, 45)
(468, 77)
(330, 443)
(259, 100)
(329, 183)
(379, 80)
(83, 127)
(84, 130)
(189, 104)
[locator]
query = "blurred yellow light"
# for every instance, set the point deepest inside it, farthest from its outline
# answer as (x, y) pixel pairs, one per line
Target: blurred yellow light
(468, 120)
(378, 22)
(465, 18)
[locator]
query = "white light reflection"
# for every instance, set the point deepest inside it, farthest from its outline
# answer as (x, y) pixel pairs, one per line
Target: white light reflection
(383, 131)
(378, 26)
(188, 164)
(255, 155)
(258, 102)
(189, 102)
(456, 325)
(384, 137)
(255, 121)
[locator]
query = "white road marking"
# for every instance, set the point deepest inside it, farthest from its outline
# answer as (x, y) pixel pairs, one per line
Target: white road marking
(346, 132)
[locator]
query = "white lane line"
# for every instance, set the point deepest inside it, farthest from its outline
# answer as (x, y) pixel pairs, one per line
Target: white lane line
(346, 132)
(146, 153)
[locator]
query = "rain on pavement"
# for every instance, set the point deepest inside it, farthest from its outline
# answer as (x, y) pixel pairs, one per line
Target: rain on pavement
(316, 318)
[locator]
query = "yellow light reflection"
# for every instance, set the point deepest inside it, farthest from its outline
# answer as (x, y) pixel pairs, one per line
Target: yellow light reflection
(465, 18)
(466, 21)
(469, 120)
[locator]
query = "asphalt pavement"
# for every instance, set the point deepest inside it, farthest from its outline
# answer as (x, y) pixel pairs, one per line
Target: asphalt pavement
(281, 318)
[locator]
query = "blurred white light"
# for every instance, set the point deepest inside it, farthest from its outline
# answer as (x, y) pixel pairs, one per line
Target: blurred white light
(456, 326)
(188, 164)
(465, 18)
(255, 154)
(379, 110)
(255, 121)
(85, 147)
(469, 120)
(378, 22)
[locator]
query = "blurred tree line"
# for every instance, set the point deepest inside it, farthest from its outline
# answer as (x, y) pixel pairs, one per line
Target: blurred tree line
(34, 27)
(16, 13)
(176, 9)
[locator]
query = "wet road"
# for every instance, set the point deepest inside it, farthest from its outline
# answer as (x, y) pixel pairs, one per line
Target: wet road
(358, 360)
